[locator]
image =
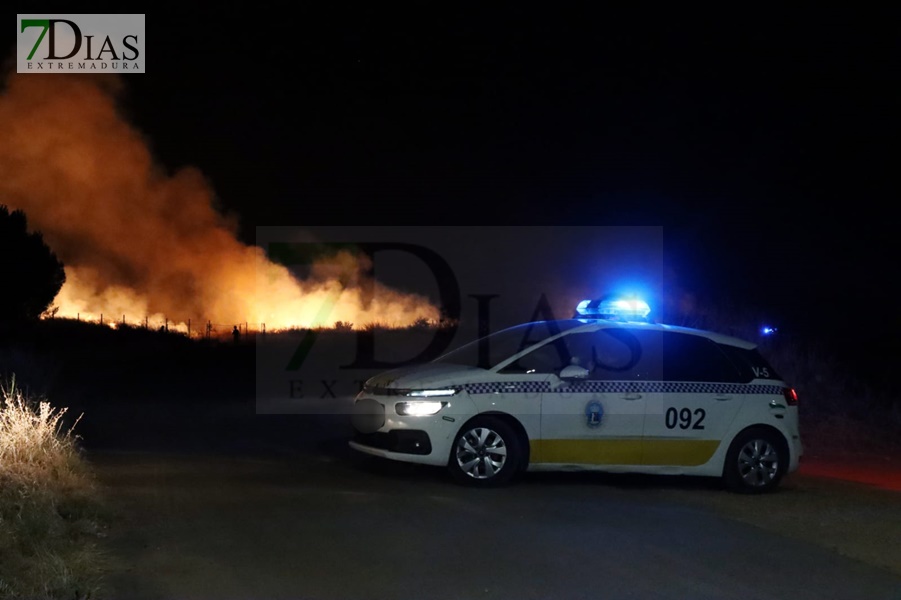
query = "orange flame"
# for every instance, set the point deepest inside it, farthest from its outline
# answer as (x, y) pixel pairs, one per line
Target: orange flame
(139, 242)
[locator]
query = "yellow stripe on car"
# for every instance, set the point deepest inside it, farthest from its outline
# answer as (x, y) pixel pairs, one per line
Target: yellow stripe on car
(590, 452)
(687, 453)
(683, 453)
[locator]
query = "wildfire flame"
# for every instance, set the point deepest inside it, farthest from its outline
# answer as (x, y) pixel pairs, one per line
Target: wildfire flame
(139, 242)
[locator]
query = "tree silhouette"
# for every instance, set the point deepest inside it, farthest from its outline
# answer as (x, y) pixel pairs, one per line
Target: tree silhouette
(30, 273)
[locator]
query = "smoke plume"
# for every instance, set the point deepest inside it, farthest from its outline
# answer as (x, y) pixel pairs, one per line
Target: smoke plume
(141, 242)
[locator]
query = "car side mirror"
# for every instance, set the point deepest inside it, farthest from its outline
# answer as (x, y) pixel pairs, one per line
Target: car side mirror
(573, 372)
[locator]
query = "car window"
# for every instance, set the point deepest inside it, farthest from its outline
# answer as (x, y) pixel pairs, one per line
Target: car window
(688, 357)
(549, 358)
(622, 354)
(490, 351)
(615, 354)
(750, 363)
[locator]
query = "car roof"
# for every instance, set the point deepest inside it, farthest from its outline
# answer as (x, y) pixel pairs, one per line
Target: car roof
(583, 325)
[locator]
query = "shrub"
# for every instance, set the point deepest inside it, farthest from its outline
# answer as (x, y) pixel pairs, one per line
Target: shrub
(376, 327)
(50, 517)
(27, 260)
(421, 323)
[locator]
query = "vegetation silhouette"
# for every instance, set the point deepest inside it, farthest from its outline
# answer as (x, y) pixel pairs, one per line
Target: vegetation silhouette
(30, 272)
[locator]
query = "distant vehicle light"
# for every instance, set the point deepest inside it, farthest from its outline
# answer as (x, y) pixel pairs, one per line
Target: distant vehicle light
(628, 309)
(766, 330)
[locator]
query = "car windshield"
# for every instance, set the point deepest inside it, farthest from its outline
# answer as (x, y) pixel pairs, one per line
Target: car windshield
(503, 344)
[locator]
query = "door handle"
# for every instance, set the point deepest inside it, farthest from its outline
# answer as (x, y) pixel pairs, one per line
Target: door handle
(631, 396)
(721, 398)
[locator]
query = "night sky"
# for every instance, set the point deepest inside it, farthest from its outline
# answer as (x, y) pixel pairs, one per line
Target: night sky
(761, 141)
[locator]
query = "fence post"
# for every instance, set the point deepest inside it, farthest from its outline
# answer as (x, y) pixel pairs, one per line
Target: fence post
(101, 318)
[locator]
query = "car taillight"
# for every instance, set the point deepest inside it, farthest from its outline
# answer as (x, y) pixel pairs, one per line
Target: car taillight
(791, 396)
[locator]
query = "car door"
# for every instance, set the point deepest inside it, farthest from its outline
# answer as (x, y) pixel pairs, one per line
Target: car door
(695, 402)
(598, 419)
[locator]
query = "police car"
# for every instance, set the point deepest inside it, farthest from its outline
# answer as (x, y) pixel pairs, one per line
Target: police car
(606, 390)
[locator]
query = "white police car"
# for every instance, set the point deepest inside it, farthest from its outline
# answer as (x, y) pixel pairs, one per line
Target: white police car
(606, 390)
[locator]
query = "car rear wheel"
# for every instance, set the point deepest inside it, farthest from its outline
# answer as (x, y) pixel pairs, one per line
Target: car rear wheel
(756, 461)
(486, 453)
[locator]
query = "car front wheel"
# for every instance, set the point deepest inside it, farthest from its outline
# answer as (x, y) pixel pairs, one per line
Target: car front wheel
(756, 461)
(486, 453)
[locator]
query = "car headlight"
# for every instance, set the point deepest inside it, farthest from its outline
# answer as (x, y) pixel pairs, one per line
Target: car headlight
(422, 408)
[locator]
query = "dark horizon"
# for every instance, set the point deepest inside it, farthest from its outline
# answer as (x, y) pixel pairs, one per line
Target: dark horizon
(742, 132)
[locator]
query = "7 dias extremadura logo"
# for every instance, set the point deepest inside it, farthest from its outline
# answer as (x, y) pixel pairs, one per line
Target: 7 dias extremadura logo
(79, 43)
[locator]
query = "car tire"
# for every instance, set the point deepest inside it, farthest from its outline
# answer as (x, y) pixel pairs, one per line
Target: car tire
(756, 461)
(486, 453)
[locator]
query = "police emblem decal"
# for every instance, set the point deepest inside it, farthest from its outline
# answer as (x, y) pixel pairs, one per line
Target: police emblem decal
(594, 414)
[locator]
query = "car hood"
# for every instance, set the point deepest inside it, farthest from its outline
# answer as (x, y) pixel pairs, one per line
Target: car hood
(423, 376)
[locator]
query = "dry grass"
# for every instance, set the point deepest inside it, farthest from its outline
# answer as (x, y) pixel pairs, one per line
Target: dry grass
(50, 515)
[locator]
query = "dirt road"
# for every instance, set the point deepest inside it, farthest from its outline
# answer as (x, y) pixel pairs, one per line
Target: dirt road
(316, 521)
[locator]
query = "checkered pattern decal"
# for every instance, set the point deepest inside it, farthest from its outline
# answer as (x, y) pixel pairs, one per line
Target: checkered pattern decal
(509, 387)
(620, 387)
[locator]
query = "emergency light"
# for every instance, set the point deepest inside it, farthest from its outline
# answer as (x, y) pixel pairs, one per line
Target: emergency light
(613, 307)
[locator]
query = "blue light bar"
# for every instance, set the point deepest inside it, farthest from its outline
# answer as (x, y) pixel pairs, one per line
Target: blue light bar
(627, 309)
